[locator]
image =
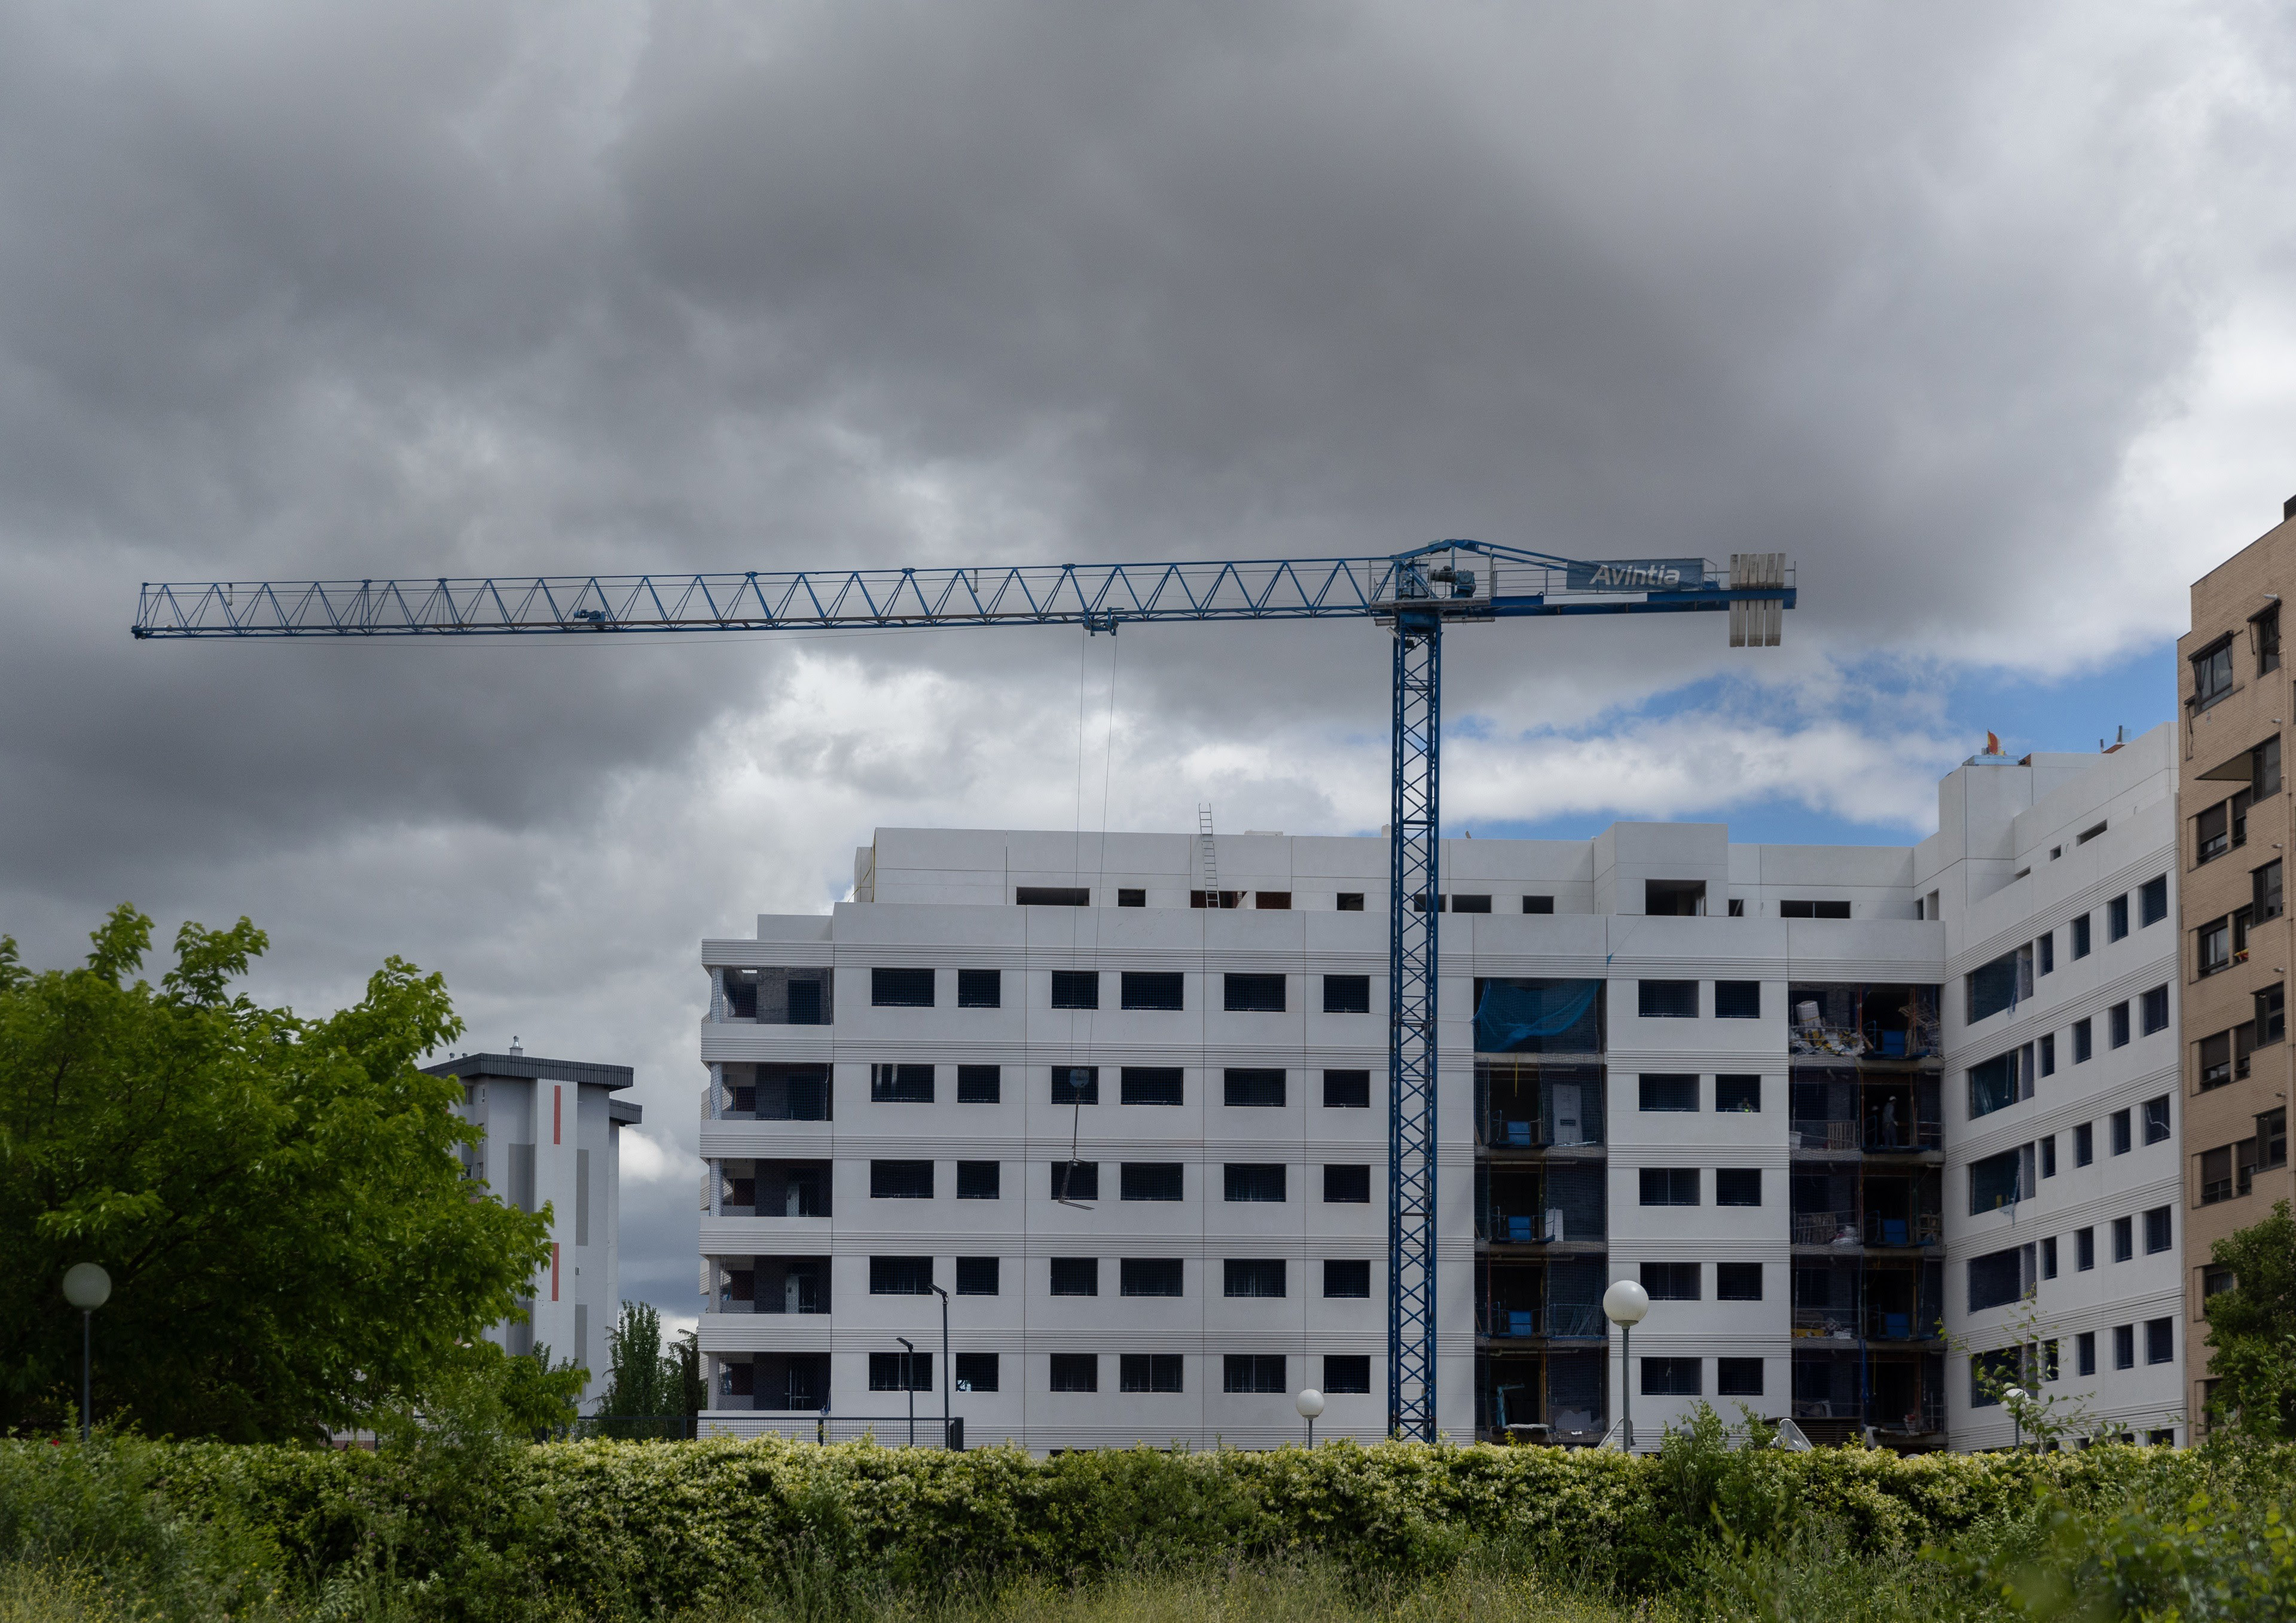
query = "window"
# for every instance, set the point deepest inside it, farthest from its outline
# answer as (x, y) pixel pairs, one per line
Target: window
(1737, 1186)
(1672, 1377)
(1347, 1090)
(2124, 1239)
(1252, 1372)
(1539, 903)
(2084, 1353)
(1347, 1186)
(900, 1372)
(1347, 993)
(2216, 1175)
(1346, 1277)
(2159, 1340)
(2271, 1137)
(1076, 989)
(2271, 1015)
(2156, 1119)
(1260, 1183)
(1346, 1372)
(1252, 994)
(1672, 1282)
(2154, 1010)
(2211, 674)
(1471, 904)
(2084, 1144)
(901, 988)
(1669, 1185)
(2264, 769)
(2044, 953)
(1076, 1275)
(1996, 1279)
(2080, 928)
(2153, 901)
(2049, 1053)
(1997, 985)
(2117, 1125)
(900, 1276)
(1667, 999)
(2215, 1281)
(2117, 1024)
(1253, 1089)
(1076, 1371)
(2214, 1057)
(978, 1180)
(1139, 989)
(1738, 908)
(1252, 1276)
(2213, 947)
(2116, 917)
(1351, 901)
(976, 1372)
(1075, 1180)
(1737, 1000)
(1228, 899)
(1271, 901)
(2212, 832)
(1738, 1093)
(1737, 1377)
(1150, 1084)
(980, 989)
(2049, 1257)
(900, 1180)
(2124, 1347)
(1813, 910)
(1076, 1085)
(1989, 1372)
(2084, 1249)
(1670, 1093)
(1148, 1276)
(2049, 1156)
(1149, 1181)
(1994, 1182)
(2157, 1231)
(1737, 1282)
(1131, 898)
(1993, 1085)
(1148, 1372)
(979, 1084)
(976, 1276)
(2263, 637)
(900, 1085)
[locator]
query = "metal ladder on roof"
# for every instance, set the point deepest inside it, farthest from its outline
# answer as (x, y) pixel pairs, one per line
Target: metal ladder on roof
(1212, 855)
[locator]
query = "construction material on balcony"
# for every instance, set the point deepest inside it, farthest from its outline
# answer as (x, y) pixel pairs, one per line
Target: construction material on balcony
(1856, 1020)
(1538, 1016)
(1539, 1107)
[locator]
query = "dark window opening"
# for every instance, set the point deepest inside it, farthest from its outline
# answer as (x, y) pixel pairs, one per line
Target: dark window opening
(1252, 994)
(900, 1085)
(2153, 901)
(979, 1084)
(1813, 910)
(976, 1372)
(1215, 900)
(1253, 1183)
(1252, 1276)
(980, 989)
(1139, 989)
(1471, 904)
(1738, 1377)
(976, 1276)
(1347, 1186)
(1672, 1282)
(1052, 896)
(1076, 989)
(1131, 898)
(1346, 1277)
(1669, 1092)
(1075, 1180)
(900, 1276)
(901, 988)
(1076, 1085)
(1539, 903)
(1346, 1372)
(1252, 1372)
(1273, 901)
(1669, 1185)
(1347, 993)
(900, 1372)
(1351, 901)
(1738, 1187)
(1738, 1093)
(1076, 1371)
(1672, 1377)
(1347, 1090)
(1252, 1089)
(2211, 674)
(1151, 1085)
(1738, 1282)
(1076, 1275)
(1737, 1000)
(900, 1180)
(1148, 1372)
(978, 1180)
(1149, 1276)
(1667, 999)
(1150, 1180)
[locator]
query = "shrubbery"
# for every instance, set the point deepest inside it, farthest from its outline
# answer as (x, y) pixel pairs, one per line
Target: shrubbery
(460, 1526)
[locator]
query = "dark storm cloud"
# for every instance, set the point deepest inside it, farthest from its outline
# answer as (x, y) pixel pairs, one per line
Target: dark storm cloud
(356, 290)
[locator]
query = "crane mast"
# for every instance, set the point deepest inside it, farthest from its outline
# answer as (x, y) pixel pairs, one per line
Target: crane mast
(1414, 593)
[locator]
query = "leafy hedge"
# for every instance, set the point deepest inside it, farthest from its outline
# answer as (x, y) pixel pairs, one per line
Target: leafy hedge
(617, 1527)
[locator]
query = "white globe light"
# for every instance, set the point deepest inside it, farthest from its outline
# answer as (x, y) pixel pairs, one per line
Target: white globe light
(1310, 1403)
(1625, 1302)
(2016, 1394)
(87, 1287)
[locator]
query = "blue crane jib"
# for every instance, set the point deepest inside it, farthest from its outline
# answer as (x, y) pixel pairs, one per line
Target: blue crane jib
(1415, 593)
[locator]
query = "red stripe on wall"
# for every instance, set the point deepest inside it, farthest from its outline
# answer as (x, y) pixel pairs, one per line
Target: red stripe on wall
(557, 1098)
(553, 1270)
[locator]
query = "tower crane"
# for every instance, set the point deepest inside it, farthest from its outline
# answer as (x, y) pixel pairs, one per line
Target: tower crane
(1416, 594)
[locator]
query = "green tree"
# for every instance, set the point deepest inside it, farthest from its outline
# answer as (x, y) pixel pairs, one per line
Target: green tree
(2252, 1330)
(643, 1377)
(291, 1244)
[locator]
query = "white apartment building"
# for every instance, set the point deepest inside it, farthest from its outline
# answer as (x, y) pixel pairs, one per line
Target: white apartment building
(1140, 1143)
(553, 1137)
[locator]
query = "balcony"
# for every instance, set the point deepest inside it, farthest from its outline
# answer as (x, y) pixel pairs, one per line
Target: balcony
(1851, 1020)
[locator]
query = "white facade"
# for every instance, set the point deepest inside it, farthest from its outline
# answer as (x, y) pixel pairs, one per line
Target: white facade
(1826, 1148)
(552, 1138)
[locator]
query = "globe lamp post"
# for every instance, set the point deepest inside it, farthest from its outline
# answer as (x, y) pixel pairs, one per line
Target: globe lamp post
(1310, 1404)
(87, 1287)
(1624, 1304)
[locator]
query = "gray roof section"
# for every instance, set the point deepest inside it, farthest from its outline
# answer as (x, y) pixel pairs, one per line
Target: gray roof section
(526, 1068)
(625, 1109)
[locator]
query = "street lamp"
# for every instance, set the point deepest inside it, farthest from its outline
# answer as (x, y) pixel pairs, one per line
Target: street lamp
(909, 1380)
(947, 1369)
(1624, 1304)
(2016, 1397)
(1310, 1404)
(87, 1287)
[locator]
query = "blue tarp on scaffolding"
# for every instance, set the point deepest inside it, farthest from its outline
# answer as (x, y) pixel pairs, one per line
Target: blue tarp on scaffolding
(1516, 1017)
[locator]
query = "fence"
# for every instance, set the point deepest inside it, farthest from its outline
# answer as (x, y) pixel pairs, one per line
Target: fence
(887, 1431)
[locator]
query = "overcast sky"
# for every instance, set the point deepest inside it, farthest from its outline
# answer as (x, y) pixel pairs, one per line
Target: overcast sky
(1982, 312)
